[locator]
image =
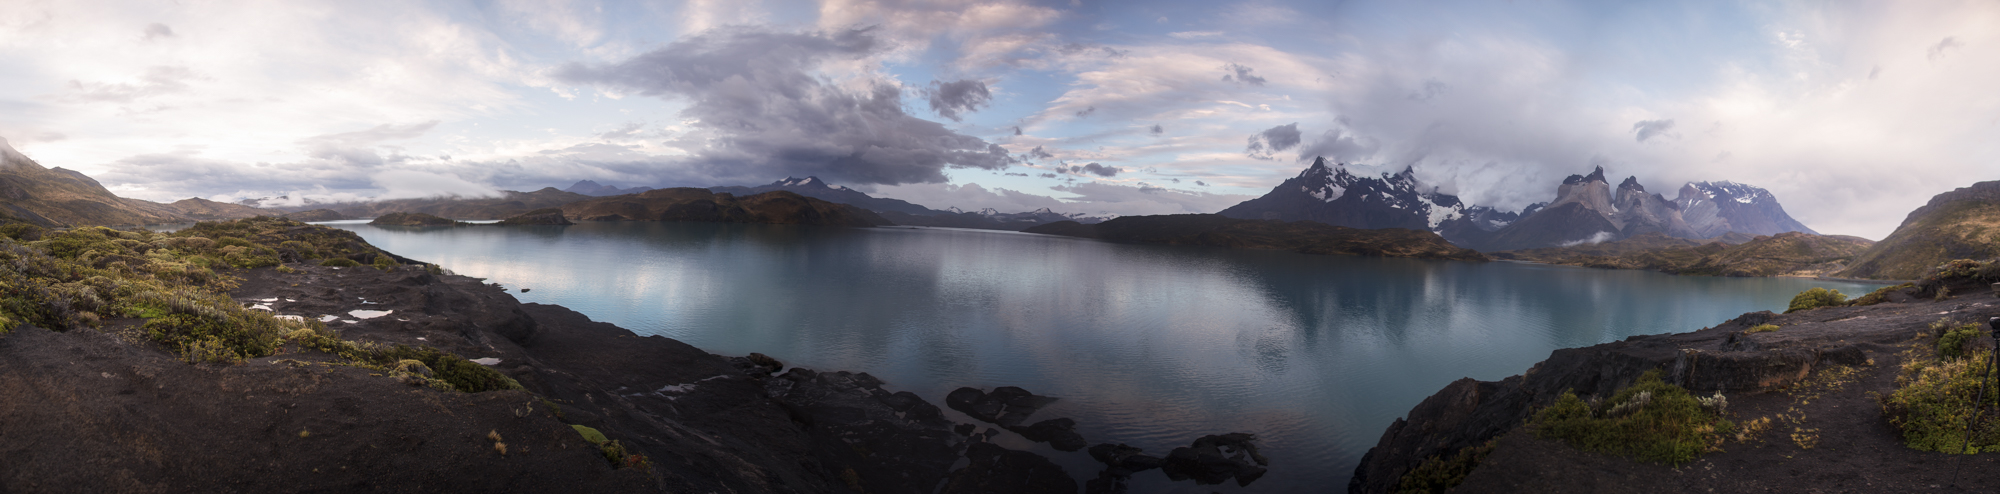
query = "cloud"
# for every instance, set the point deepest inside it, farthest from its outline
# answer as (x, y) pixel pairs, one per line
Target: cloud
(1157, 129)
(1095, 169)
(1017, 130)
(1195, 34)
(1146, 199)
(404, 184)
(1937, 51)
(1086, 112)
(1039, 153)
(761, 110)
(157, 80)
(1263, 145)
(1646, 129)
(157, 30)
(949, 99)
(1241, 74)
(626, 131)
(358, 147)
(1341, 147)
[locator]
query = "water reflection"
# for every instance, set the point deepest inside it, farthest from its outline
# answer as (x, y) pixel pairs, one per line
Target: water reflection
(1152, 346)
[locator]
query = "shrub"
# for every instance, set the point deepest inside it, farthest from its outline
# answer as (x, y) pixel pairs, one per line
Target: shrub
(1761, 328)
(384, 263)
(1951, 344)
(1649, 420)
(1881, 295)
(339, 262)
(1816, 298)
(1440, 474)
(229, 339)
(1934, 400)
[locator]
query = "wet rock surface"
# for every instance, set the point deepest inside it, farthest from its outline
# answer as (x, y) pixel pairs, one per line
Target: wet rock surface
(997, 470)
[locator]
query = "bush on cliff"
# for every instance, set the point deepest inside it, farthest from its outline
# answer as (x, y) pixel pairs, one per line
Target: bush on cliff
(1649, 420)
(1881, 295)
(1816, 298)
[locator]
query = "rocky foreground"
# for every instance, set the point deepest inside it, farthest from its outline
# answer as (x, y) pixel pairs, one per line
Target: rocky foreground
(584, 406)
(1814, 380)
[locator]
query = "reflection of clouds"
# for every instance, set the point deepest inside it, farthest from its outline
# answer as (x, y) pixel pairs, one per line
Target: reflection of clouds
(1152, 346)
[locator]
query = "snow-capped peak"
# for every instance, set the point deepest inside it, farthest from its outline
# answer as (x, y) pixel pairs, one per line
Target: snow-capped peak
(989, 212)
(795, 182)
(1741, 193)
(954, 210)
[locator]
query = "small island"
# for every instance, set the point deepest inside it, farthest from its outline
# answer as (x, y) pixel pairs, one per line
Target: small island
(413, 219)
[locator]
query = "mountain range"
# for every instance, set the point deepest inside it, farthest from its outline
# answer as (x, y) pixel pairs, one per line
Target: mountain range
(905, 213)
(1586, 209)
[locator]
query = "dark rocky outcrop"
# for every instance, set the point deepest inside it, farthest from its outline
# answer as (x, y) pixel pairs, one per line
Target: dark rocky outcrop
(546, 216)
(1724, 359)
(1009, 407)
(997, 470)
(1217, 459)
(412, 219)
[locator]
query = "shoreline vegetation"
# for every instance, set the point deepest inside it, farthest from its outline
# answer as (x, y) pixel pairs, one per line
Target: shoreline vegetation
(299, 357)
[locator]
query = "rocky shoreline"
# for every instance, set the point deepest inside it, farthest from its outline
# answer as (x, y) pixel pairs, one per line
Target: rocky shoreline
(106, 409)
(1828, 440)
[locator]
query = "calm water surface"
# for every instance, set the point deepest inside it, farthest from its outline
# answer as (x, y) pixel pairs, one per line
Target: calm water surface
(1152, 346)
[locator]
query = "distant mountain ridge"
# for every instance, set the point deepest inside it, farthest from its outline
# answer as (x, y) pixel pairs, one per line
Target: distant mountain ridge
(1586, 209)
(906, 213)
(592, 188)
(62, 197)
(1958, 224)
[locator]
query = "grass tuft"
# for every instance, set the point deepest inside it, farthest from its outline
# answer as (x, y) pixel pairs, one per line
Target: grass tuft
(1649, 420)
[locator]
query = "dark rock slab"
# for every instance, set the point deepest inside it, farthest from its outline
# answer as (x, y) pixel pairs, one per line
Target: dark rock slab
(997, 470)
(1059, 433)
(1216, 459)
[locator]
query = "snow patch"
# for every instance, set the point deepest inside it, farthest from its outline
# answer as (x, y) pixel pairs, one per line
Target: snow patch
(262, 307)
(328, 318)
(272, 299)
(1598, 238)
(488, 361)
(368, 314)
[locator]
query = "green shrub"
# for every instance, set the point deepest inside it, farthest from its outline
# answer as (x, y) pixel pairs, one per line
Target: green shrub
(1761, 328)
(1649, 420)
(1440, 474)
(1951, 344)
(1881, 295)
(203, 339)
(590, 434)
(1816, 298)
(1934, 400)
(23, 231)
(339, 262)
(466, 375)
(384, 263)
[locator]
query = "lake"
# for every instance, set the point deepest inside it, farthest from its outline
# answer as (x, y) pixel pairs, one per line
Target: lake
(1152, 346)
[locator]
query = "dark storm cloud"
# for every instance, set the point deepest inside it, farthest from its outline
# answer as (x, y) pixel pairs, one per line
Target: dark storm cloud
(1647, 129)
(1017, 130)
(1241, 74)
(1157, 129)
(1096, 169)
(158, 30)
(1263, 145)
(949, 99)
(1087, 111)
(762, 111)
(1039, 153)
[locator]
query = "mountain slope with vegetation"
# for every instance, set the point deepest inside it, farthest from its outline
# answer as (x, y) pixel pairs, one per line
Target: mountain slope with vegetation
(1960, 224)
(1309, 237)
(60, 197)
(1784, 254)
(700, 205)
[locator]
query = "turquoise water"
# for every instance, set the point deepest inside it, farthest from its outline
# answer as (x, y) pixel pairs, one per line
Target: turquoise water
(1152, 346)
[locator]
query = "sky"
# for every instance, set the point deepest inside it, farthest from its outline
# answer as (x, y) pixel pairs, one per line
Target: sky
(1851, 113)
